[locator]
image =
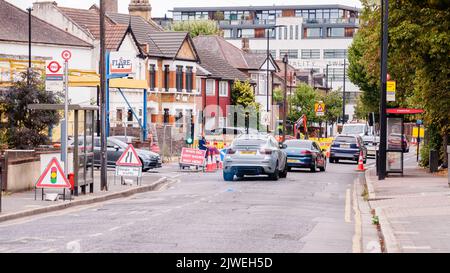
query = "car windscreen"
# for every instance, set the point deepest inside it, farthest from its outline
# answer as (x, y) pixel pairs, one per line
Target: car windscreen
(298, 144)
(353, 129)
(117, 142)
(346, 139)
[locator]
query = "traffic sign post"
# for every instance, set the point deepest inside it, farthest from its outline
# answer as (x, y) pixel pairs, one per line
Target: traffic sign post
(66, 55)
(129, 164)
(52, 177)
(54, 76)
(391, 88)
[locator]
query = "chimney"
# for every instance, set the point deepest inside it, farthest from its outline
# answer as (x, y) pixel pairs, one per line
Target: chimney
(111, 6)
(245, 45)
(141, 8)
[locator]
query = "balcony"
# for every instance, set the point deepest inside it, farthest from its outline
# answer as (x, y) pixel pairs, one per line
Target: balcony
(255, 22)
(352, 21)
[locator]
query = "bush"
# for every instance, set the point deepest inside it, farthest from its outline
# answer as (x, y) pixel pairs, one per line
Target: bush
(424, 155)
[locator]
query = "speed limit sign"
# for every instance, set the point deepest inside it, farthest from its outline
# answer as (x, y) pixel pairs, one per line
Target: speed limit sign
(66, 55)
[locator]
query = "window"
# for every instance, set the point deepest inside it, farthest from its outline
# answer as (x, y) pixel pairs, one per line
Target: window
(296, 32)
(179, 118)
(313, 32)
(248, 33)
(285, 33)
(262, 84)
(292, 53)
(335, 32)
(152, 77)
(176, 16)
(199, 85)
(291, 32)
(166, 77)
(310, 53)
(189, 79)
(334, 53)
(223, 89)
(166, 115)
(119, 115)
(210, 88)
(179, 78)
(228, 33)
(280, 35)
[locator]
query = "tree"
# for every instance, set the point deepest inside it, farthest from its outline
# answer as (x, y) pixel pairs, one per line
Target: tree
(303, 101)
(418, 59)
(278, 95)
(197, 27)
(333, 103)
(242, 95)
(27, 128)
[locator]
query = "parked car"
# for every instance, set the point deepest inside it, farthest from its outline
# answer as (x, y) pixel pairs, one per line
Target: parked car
(360, 129)
(125, 139)
(305, 154)
(347, 147)
(372, 144)
(115, 149)
(255, 154)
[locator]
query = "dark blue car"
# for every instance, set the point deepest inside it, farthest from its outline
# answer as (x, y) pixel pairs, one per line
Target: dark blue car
(305, 154)
(347, 147)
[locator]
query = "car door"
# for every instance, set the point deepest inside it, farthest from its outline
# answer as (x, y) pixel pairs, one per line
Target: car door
(319, 155)
(113, 154)
(280, 154)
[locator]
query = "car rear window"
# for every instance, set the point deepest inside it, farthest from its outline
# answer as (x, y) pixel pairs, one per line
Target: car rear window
(346, 139)
(298, 144)
(249, 142)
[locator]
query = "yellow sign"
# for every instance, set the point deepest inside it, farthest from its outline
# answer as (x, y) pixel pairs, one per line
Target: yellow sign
(319, 108)
(422, 132)
(391, 86)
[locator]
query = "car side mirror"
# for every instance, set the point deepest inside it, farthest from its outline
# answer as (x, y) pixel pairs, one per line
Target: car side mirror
(116, 147)
(283, 146)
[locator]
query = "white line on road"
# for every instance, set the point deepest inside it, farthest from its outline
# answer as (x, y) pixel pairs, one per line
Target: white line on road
(113, 228)
(406, 232)
(357, 238)
(417, 247)
(96, 235)
(347, 206)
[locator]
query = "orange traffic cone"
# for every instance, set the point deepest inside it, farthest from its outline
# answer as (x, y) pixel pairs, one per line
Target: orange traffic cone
(360, 162)
(328, 153)
(210, 165)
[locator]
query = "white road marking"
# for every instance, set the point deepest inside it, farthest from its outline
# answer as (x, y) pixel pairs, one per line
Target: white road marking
(356, 244)
(96, 235)
(417, 247)
(347, 206)
(406, 232)
(113, 228)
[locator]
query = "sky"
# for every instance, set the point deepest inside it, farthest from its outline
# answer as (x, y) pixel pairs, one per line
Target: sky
(162, 7)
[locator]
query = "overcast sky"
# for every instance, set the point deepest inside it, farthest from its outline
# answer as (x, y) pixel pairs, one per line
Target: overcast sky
(161, 7)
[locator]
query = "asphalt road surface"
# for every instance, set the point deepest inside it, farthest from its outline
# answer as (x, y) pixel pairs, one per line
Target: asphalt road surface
(200, 212)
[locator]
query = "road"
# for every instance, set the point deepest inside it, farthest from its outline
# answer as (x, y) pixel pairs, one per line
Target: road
(199, 212)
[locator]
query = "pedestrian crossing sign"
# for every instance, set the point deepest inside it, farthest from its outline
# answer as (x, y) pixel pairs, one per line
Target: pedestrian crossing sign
(320, 109)
(53, 176)
(129, 158)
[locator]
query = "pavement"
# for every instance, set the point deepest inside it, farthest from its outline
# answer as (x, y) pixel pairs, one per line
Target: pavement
(200, 212)
(413, 210)
(23, 204)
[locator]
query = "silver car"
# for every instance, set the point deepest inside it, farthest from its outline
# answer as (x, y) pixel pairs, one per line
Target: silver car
(255, 154)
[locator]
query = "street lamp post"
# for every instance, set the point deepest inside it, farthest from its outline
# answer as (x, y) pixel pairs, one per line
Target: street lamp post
(285, 61)
(344, 95)
(267, 67)
(29, 45)
(384, 55)
(103, 153)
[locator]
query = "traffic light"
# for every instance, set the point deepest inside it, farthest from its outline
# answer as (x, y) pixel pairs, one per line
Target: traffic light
(190, 135)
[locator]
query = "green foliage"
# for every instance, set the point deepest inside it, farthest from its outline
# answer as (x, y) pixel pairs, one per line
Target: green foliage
(277, 95)
(303, 100)
(197, 27)
(333, 104)
(242, 94)
(27, 128)
(418, 60)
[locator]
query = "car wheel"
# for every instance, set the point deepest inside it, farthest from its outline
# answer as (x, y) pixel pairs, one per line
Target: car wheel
(275, 176)
(314, 167)
(228, 176)
(283, 174)
(322, 169)
(289, 169)
(331, 160)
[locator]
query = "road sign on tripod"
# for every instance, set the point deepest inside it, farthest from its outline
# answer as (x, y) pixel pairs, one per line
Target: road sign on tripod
(129, 163)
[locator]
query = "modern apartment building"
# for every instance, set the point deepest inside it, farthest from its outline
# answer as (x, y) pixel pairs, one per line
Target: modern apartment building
(315, 37)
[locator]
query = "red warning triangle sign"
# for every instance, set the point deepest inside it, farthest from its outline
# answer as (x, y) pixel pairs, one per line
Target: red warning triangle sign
(319, 108)
(53, 176)
(129, 158)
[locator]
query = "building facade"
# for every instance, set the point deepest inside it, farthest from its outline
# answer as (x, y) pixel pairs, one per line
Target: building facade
(315, 37)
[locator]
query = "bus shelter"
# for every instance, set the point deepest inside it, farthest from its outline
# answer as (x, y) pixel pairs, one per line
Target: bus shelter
(82, 145)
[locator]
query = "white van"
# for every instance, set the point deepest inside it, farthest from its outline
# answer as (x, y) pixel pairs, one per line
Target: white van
(360, 129)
